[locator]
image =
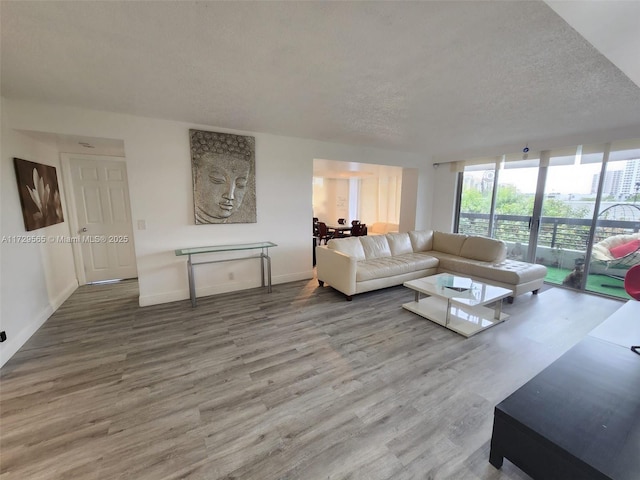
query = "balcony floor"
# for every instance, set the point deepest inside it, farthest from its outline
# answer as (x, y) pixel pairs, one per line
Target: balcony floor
(602, 284)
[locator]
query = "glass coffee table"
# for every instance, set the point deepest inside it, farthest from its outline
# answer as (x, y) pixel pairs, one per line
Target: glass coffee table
(457, 303)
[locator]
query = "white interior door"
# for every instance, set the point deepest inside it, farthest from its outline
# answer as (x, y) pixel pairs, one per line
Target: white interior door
(103, 212)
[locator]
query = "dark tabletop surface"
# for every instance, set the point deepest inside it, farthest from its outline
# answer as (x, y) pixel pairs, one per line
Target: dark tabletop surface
(587, 403)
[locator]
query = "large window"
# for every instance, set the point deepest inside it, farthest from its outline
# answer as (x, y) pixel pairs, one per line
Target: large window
(616, 237)
(568, 209)
(476, 201)
(497, 200)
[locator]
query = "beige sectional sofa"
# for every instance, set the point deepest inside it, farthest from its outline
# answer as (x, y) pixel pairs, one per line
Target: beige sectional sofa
(361, 264)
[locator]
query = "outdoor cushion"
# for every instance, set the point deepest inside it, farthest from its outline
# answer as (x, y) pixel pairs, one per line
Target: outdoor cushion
(625, 249)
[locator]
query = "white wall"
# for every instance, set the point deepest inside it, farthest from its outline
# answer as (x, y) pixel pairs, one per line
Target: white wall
(159, 169)
(409, 202)
(331, 200)
(35, 278)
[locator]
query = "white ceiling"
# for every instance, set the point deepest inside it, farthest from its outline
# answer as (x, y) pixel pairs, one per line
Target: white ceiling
(613, 27)
(80, 144)
(439, 78)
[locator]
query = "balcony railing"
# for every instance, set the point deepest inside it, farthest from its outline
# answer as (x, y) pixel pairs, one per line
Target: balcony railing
(555, 232)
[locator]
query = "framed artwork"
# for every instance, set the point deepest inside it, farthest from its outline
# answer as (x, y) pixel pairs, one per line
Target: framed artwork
(39, 194)
(224, 180)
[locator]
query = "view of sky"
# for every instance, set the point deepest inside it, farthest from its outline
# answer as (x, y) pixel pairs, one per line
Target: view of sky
(561, 179)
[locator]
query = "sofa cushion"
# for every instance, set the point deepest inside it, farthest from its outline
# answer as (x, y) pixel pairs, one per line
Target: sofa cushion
(383, 267)
(484, 249)
(399, 243)
(512, 272)
(448, 242)
(421, 240)
(509, 272)
(451, 263)
(375, 246)
(348, 246)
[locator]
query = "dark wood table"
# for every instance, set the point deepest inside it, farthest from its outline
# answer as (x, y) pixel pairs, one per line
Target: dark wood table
(340, 229)
(580, 417)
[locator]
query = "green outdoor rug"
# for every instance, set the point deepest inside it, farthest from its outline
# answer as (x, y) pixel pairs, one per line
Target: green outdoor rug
(602, 284)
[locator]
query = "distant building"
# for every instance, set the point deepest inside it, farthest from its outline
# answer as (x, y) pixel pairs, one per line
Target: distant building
(630, 177)
(612, 183)
(620, 184)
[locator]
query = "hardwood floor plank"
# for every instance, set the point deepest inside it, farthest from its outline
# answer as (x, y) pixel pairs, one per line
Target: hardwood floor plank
(296, 384)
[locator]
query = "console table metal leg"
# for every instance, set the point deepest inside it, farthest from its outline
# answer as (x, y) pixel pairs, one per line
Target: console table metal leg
(269, 271)
(262, 256)
(192, 286)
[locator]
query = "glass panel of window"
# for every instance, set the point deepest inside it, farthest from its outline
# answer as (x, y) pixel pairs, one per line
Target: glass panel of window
(476, 199)
(616, 245)
(575, 210)
(567, 215)
(515, 194)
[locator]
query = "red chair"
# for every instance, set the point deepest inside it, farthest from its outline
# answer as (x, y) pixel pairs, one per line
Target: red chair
(632, 282)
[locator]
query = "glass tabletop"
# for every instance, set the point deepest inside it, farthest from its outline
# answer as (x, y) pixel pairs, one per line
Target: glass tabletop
(461, 290)
(224, 248)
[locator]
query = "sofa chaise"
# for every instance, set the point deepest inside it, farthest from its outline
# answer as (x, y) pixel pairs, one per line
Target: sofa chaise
(361, 264)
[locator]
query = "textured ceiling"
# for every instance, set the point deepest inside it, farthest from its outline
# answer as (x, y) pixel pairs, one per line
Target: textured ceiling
(429, 77)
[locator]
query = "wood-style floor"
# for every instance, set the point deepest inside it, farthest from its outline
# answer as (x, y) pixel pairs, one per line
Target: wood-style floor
(297, 384)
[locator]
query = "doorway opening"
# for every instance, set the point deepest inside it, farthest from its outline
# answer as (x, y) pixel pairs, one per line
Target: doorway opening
(352, 191)
(104, 193)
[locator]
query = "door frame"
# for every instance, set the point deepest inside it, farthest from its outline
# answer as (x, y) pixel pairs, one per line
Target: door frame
(72, 209)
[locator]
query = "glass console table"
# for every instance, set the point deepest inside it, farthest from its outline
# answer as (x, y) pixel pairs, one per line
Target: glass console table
(263, 256)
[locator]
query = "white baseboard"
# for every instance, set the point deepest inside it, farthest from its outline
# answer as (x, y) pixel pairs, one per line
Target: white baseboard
(14, 343)
(64, 295)
(166, 297)
(294, 277)
(183, 294)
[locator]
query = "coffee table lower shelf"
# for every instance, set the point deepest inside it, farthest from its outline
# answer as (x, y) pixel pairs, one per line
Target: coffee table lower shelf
(464, 320)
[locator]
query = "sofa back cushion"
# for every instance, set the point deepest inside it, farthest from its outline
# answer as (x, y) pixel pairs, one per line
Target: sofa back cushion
(421, 240)
(375, 246)
(448, 242)
(484, 249)
(348, 246)
(399, 243)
